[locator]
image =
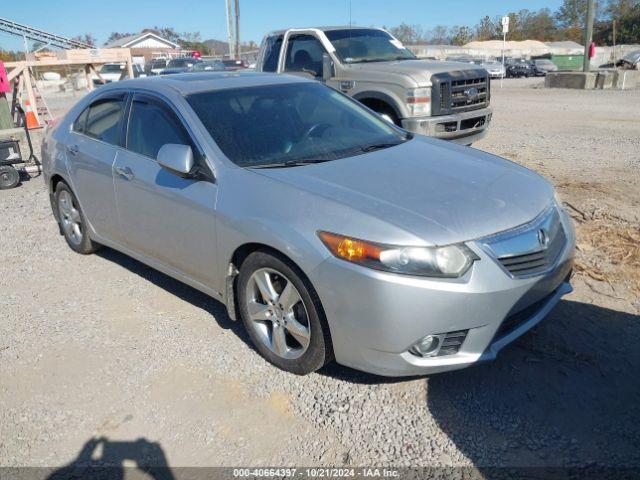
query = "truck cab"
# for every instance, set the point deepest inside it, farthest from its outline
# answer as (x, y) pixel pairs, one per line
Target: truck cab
(447, 100)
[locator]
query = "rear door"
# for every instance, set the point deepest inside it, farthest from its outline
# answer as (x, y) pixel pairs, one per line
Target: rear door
(91, 149)
(164, 216)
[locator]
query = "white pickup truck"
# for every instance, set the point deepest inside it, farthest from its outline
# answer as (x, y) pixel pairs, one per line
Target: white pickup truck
(447, 100)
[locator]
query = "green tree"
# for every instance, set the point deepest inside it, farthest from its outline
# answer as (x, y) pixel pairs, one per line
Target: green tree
(460, 35)
(485, 29)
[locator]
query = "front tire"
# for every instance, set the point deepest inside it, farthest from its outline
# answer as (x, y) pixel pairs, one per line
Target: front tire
(73, 223)
(282, 314)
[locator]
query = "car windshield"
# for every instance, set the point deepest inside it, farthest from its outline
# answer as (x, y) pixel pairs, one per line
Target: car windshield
(181, 62)
(111, 68)
(294, 123)
(367, 45)
(158, 64)
(205, 66)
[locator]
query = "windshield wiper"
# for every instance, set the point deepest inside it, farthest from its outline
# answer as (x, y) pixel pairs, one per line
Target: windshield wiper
(290, 163)
(378, 146)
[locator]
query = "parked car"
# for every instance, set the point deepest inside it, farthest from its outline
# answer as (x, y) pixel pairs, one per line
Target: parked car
(208, 65)
(448, 100)
(327, 231)
(542, 66)
(631, 61)
(495, 68)
(113, 72)
(156, 66)
(180, 65)
(518, 68)
(235, 64)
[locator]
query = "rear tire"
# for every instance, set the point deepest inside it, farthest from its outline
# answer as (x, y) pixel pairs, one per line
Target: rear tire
(72, 221)
(9, 177)
(282, 314)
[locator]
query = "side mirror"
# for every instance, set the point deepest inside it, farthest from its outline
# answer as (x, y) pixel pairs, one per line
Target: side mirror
(327, 67)
(178, 159)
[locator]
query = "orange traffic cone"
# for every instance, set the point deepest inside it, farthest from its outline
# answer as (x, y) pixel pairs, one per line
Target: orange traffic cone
(32, 122)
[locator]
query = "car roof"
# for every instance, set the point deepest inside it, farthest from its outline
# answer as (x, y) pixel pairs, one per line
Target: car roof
(188, 83)
(324, 29)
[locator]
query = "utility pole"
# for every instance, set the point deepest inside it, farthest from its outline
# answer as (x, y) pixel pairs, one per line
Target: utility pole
(614, 43)
(237, 14)
(588, 34)
(229, 28)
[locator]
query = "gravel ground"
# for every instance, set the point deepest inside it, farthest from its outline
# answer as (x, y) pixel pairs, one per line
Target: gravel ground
(102, 349)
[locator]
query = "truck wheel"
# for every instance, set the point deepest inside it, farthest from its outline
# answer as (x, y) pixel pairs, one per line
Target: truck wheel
(9, 177)
(390, 116)
(282, 314)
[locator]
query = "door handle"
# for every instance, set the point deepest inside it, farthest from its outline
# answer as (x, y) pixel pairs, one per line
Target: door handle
(73, 149)
(125, 172)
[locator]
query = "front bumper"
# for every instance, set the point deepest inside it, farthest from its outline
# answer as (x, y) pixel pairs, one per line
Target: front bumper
(375, 317)
(464, 128)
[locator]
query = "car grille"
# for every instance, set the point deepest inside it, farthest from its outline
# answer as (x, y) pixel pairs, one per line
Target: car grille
(461, 91)
(452, 342)
(530, 249)
(531, 263)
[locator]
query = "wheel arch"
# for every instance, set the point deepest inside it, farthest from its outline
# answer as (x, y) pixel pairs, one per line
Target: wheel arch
(240, 254)
(372, 98)
(231, 295)
(56, 179)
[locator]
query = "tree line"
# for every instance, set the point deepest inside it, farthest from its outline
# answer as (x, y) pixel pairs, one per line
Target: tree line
(566, 23)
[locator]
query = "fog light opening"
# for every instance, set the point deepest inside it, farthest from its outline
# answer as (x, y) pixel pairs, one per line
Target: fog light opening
(426, 346)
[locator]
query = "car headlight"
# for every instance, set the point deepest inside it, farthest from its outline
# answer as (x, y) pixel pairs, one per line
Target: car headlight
(419, 101)
(449, 261)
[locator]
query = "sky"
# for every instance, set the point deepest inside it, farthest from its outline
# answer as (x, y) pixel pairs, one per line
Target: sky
(257, 17)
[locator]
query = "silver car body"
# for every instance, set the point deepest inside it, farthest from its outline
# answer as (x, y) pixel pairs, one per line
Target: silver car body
(424, 192)
(495, 69)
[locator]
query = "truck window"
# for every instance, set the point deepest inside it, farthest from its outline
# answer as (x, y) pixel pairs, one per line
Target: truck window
(272, 53)
(304, 54)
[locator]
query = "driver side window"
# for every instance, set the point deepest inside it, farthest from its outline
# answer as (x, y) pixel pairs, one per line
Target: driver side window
(304, 54)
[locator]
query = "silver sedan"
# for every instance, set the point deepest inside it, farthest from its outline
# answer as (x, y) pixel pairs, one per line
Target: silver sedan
(327, 231)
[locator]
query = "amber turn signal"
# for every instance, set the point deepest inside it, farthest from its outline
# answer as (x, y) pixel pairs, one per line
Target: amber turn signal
(350, 249)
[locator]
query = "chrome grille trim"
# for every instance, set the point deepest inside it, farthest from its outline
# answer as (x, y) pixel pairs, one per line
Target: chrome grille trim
(531, 249)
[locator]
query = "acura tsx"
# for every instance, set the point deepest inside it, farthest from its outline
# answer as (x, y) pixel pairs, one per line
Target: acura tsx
(327, 231)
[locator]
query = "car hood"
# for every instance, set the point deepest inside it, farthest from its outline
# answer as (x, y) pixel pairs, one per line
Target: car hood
(439, 192)
(419, 70)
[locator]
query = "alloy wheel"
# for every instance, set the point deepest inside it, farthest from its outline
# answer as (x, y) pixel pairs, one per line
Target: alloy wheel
(277, 313)
(70, 217)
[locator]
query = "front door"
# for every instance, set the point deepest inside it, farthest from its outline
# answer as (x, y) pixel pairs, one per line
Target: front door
(162, 215)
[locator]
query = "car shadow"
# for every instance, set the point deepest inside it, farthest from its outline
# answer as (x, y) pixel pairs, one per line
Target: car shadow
(103, 458)
(566, 394)
(181, 290)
